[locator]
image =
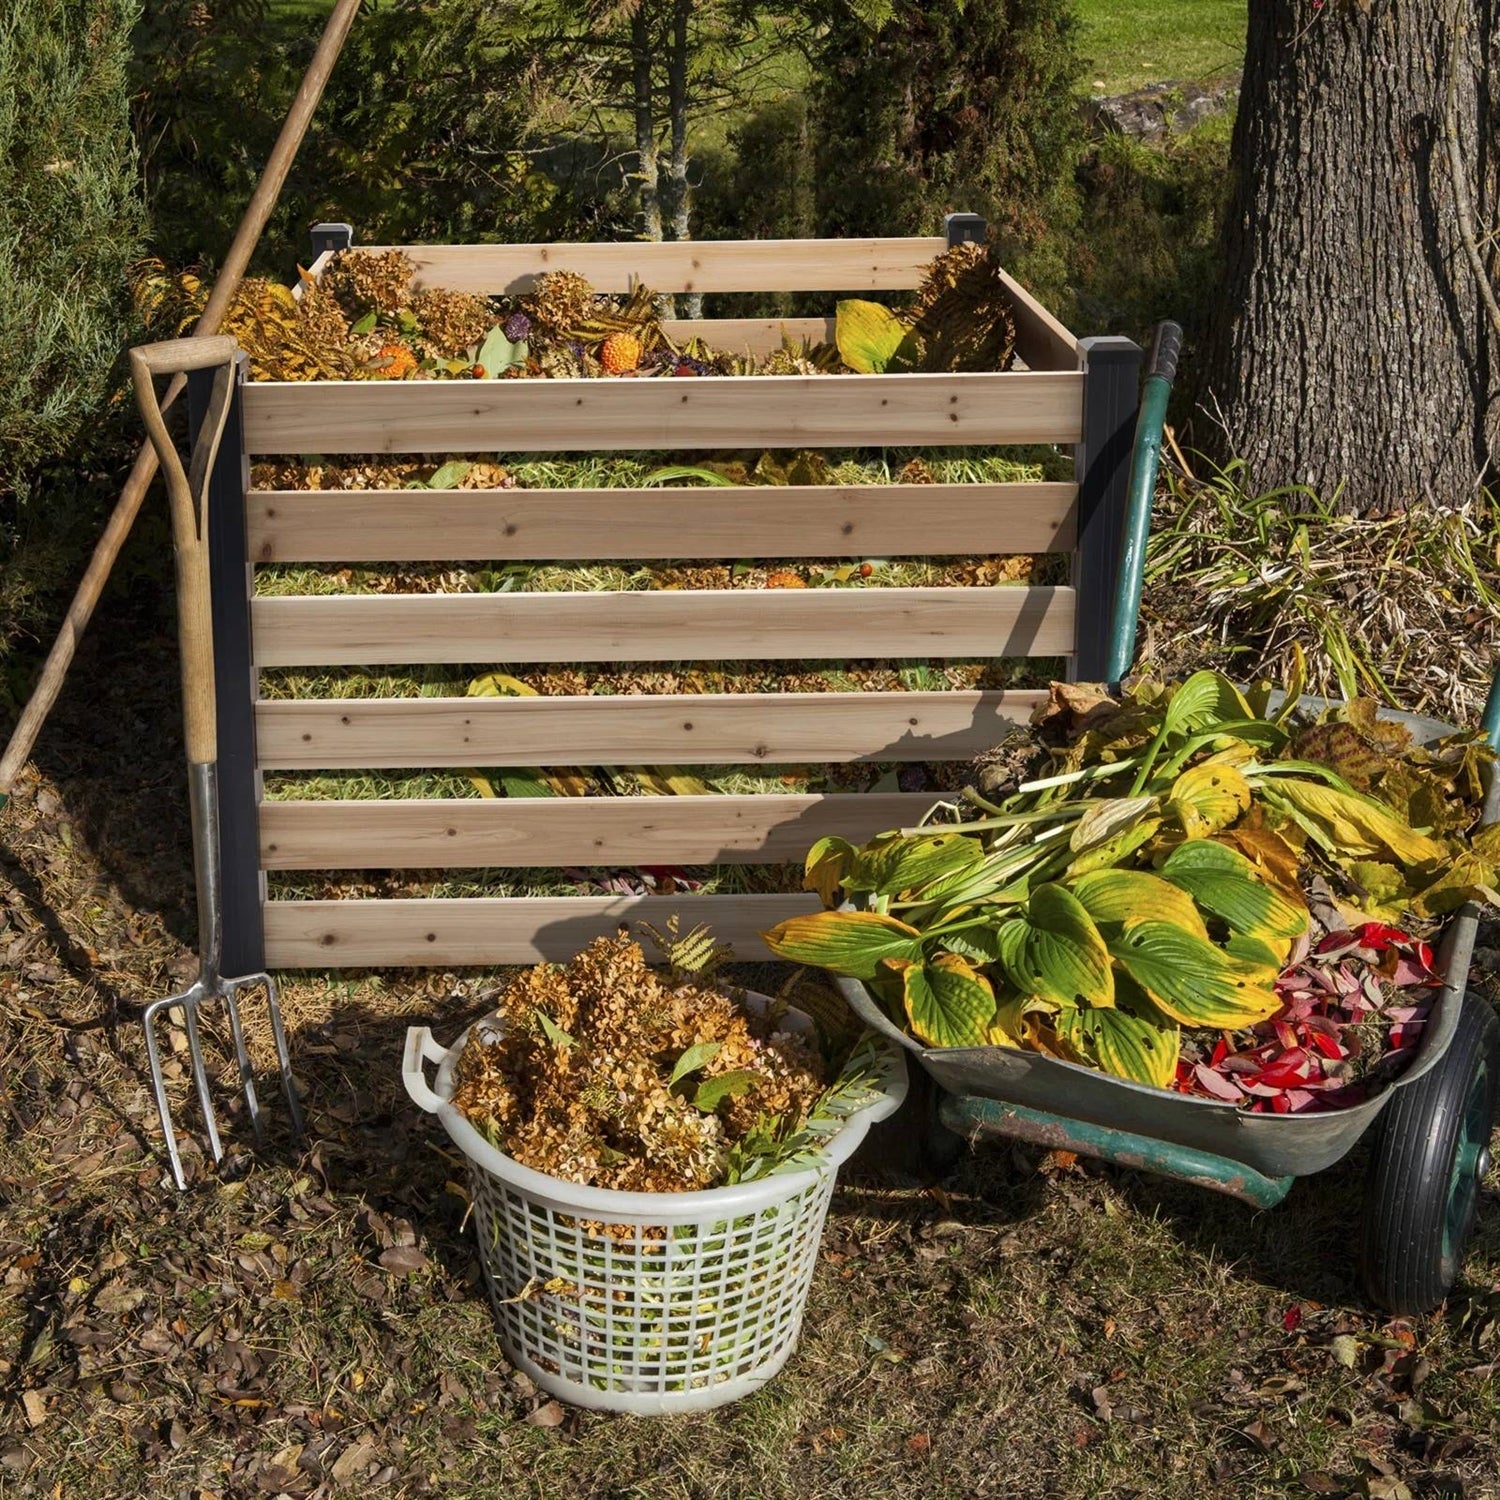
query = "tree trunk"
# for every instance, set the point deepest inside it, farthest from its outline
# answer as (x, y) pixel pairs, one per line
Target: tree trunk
(1353, 352)
(645, 123)
(677, 110)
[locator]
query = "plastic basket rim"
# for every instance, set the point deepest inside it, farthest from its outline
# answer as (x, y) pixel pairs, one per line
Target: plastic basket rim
(672, 1208)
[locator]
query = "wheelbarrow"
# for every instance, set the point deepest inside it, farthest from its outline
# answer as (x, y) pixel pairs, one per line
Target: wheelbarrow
(1429, 1129)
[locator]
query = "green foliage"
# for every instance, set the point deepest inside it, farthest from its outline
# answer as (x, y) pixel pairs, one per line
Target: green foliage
(957, 107)
(1030, 925)
(70, 222)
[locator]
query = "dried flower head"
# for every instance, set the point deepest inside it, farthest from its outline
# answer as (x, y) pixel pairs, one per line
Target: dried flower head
(559, 303)
(451, 322)
(366, 280)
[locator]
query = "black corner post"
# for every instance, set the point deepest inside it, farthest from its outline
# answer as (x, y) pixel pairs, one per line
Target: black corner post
(963, 229)
(230, 582)
(1111, 400)
(326, 237)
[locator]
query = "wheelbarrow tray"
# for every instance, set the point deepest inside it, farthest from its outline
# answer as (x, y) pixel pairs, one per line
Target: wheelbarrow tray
(1270, 1145)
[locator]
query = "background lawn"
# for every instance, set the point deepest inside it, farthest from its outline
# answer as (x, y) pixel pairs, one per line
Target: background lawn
(1160, 41)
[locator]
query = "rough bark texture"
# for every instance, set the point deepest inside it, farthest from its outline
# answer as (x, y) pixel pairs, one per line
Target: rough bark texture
(644, 103)
(1353, 349)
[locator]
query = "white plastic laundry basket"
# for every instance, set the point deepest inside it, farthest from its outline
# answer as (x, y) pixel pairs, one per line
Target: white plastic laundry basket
(647, 1302)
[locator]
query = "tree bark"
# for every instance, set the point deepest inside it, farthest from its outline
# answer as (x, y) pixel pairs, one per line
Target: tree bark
(1352, 352)
(647, 169)
(677, 110)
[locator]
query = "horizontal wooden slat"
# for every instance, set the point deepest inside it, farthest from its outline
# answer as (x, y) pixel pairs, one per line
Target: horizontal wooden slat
(1041, 340)
(758, 335)
(665, 625)
(519, 831)
(749, 411)
(840, 265)
(499, 930)
(897, 520)
(705, 729)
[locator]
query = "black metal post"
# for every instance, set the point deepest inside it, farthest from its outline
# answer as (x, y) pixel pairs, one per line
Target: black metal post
(961, 229)
(1111, 400)
(230, 582)
(327, 237)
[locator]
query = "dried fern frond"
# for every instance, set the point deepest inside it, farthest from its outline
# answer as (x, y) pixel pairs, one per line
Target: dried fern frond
(963, 312)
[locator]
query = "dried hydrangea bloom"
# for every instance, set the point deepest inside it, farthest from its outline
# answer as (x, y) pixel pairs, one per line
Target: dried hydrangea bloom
(366, 280)
(451, 322)
(575, 1078)
(558, 303)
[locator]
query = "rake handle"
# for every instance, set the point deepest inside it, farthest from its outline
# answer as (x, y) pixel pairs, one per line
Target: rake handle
(187, 497)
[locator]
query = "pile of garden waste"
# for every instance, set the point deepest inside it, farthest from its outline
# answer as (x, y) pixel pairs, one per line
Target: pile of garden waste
(1181, 886)
(366, 318)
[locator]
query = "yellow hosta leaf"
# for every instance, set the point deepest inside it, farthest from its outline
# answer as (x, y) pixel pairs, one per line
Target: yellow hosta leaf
(1358, 825)
(1114, 897)
(1208, 797)
(670, 783)
(854, 943)
(948, 1002)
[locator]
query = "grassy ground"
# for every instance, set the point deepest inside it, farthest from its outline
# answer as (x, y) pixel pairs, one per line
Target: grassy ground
(1156, 41)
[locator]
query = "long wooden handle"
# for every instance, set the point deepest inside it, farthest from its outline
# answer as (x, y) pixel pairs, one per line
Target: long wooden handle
(267, 191)
(187, 496)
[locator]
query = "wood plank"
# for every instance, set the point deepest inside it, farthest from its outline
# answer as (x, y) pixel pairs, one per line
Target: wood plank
(772, 729)
(1041, 340)
(511, 832)
(497, 929)
(758, 335)
(835, 265)
(897, 520)
(745, 411)
(666, 625)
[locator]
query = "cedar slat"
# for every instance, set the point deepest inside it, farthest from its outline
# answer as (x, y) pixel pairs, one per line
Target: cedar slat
(686, 730)
(758, 335)
(498, 930)
(665, 414)
(511, 832)
(836, 265)
(1041, 340)
(311, 630)
(898, 520)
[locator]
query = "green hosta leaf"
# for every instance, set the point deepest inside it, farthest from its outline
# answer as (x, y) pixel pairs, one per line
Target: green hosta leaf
(1354, 824)
(555, 1034)
(1141, 1048)
(1205, 701)
(980, 944)
(948, 1003)
(1257, 951)
(892, 865)
(1054, 951)
(1193, 981)
(1208, 797)
(853, 943)
(450, 475)
(1470, 877)
(497, 354)
(1224, 882)
(365, 325)
(1114, 897)
(697, 1056)
(520, 783)
(869, 336)
(1113, 851)
(712, 1092)
(827, 861)
(1107, 821)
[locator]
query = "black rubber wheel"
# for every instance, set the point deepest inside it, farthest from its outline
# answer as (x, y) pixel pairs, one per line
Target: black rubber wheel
(1430, 1153)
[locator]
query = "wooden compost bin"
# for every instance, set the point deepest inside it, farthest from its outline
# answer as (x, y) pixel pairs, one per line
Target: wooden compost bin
(1070, 392)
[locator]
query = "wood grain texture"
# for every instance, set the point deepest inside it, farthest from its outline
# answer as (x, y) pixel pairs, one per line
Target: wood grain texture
(511, 832)
(1042, 342)
(704, 729)
(664, 625)
(499, 930)
(742, 411)
(838, 265)
(758, 335)
(898, 520)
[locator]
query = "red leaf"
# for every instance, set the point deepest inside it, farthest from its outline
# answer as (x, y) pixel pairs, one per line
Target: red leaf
(1292, 1316)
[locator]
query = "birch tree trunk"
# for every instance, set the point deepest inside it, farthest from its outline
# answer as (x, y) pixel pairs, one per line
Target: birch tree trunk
(677, 108)
(646, 154)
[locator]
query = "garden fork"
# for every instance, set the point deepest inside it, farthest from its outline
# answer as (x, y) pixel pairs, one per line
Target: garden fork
(188, 497)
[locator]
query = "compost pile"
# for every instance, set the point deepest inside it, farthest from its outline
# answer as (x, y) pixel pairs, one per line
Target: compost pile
(365, 319)
(608, 1072)
(1182, 886)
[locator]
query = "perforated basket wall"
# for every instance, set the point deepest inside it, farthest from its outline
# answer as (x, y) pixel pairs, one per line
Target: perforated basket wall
(649, 1317)
(650, 1302)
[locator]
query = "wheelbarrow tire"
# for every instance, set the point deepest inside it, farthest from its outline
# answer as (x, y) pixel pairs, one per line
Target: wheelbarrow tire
(1430, 1151)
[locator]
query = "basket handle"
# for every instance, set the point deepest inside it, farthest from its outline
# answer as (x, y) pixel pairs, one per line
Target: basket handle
(421, 1048)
